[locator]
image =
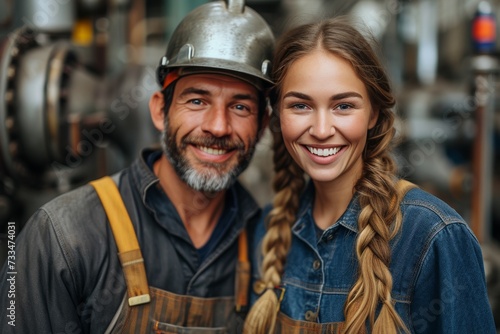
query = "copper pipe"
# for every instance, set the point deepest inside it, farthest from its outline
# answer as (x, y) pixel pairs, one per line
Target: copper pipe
(478, 200)
(483, 151)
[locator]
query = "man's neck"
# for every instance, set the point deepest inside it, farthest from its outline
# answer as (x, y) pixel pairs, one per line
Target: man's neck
(199, 211)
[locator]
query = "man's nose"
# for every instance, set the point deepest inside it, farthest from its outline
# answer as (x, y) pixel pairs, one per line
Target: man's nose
(217, 121)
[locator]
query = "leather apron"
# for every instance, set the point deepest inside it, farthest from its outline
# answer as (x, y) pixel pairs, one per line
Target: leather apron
(287, 325)
(148, 309)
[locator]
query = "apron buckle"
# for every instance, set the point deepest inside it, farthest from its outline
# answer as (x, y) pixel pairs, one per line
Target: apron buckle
(138, 300)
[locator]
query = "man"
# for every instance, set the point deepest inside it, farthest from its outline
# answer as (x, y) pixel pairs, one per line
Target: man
(84, 267)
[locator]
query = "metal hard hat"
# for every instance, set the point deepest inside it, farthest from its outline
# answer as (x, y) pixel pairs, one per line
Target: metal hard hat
(224, 37)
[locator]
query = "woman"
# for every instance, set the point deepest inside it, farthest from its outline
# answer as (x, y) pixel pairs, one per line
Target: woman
(353, 250)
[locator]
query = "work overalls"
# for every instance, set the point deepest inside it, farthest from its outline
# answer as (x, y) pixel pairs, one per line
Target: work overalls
(148, 309)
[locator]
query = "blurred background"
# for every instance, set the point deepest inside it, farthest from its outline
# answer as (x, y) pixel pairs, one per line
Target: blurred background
(76, 77)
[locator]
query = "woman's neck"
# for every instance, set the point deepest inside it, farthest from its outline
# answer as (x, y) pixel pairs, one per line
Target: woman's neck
(330, 202)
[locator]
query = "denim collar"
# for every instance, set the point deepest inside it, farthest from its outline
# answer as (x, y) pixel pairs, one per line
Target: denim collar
(349, 218)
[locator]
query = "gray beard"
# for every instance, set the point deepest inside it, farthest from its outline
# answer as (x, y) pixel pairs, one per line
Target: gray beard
(210, 180)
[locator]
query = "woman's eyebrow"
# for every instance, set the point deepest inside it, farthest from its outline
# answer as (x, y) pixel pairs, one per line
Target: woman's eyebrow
(297, 95)
(344, 95)
(338, 96)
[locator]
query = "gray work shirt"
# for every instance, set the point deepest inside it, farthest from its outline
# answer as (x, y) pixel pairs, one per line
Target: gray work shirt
(69, 279)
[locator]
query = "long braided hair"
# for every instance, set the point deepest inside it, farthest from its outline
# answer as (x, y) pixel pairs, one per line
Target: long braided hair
(380, 217)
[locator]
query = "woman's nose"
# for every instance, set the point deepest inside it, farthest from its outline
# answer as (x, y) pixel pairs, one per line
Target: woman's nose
(322, 126)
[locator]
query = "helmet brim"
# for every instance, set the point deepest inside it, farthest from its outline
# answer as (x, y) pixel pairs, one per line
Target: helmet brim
(225, 67)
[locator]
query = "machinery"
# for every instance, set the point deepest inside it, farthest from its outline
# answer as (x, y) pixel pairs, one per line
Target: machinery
(64, 117)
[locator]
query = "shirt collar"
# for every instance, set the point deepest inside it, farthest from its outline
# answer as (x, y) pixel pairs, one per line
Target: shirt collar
(143, 176)
(349, 218)
(238, 199)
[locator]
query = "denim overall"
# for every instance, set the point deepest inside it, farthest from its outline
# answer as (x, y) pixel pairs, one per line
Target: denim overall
(148, 309)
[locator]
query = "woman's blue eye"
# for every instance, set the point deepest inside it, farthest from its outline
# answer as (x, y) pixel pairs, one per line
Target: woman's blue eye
(300, 106)
(344, 106)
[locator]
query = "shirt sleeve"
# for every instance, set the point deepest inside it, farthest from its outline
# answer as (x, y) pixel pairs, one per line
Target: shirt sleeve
(39, 291)
(450, 294)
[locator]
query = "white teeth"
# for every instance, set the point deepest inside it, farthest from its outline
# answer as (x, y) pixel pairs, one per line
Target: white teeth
(213, 151)
(323, 152)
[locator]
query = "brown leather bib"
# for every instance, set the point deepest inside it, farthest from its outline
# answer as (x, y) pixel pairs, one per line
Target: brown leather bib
(286, 325)
(171, 313)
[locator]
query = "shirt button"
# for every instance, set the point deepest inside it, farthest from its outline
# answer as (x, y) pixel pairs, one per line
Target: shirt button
(310, 316)
(316, 264)
(330, 237)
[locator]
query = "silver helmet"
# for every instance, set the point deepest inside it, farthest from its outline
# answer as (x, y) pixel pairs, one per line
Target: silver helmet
(222, 37)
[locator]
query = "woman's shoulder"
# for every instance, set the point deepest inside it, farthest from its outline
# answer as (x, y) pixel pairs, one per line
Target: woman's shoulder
(264, 213)
(258, 230)
(426, 217)
(419, 203)
(266, 209)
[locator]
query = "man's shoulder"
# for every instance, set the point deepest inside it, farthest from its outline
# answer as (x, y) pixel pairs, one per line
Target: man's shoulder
(75, 216)
(76, 202)
(70, 236)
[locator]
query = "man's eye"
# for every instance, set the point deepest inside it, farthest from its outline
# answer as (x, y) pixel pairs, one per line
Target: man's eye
(195, 101)
(242, 107)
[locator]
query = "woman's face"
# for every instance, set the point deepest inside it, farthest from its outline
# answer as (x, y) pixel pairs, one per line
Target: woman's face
(325, 114)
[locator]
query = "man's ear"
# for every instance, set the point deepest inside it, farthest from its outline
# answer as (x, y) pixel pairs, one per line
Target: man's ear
(156, 106)
(264, 122)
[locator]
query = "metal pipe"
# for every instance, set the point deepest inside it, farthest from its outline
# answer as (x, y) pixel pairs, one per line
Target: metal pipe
(49, 16)
(483, 147)
(484, 66)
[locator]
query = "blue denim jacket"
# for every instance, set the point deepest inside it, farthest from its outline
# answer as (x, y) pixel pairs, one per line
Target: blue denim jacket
(437, 268)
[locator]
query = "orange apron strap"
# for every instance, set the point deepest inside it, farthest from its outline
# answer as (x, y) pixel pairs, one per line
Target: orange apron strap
(242, 273)
(129, 252)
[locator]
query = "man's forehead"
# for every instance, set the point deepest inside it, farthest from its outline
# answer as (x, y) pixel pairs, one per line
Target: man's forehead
(214, 81)
(256, 82)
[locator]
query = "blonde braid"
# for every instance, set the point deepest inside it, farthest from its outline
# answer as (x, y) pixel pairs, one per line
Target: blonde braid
(288, 184)
(379, 221)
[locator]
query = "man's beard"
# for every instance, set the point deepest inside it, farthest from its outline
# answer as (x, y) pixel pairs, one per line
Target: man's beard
(210, 176)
